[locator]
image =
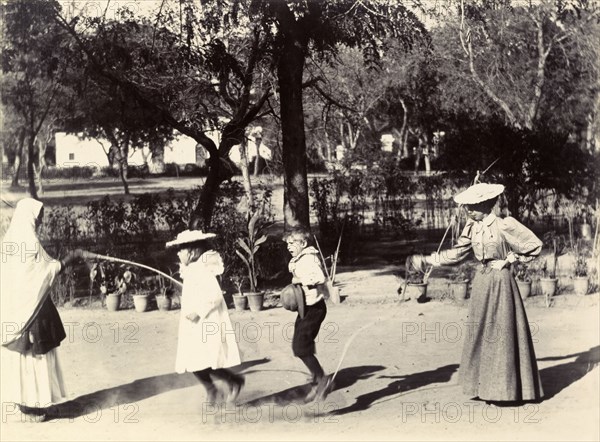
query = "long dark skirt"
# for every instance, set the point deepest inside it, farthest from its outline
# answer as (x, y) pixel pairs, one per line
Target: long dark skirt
(498, 360)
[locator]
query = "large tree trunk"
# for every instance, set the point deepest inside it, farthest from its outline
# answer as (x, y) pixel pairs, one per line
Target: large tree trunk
(295, 197)
(220, 168)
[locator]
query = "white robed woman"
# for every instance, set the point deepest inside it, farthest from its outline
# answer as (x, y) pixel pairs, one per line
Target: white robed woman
(207, 344)
(31, 326)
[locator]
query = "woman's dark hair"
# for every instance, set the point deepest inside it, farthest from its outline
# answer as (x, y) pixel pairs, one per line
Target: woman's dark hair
(484, 206)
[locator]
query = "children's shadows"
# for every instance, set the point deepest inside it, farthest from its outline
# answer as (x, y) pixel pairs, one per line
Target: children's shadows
(554, 380)
(344, 378)
(403, 384)
(129, 393)
(558, 377)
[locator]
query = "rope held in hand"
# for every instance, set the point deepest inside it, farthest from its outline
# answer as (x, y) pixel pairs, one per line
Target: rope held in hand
(124, 261)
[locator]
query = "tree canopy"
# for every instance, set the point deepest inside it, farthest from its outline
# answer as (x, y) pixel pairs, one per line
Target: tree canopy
(34, 64)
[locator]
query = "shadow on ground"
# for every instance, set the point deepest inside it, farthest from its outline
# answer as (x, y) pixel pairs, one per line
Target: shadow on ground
(558, 377)
(137, 390)
(345, 378)
(403, 384)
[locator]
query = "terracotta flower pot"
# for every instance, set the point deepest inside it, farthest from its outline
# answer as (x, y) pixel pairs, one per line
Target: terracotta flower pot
(548, 286)
(255, 301)
(586, 231)
(113, 302)
(164, 303)
(581, 285)
(140, 302)
(524, 288)
(415, 291)
(240, 302)
(459, 289)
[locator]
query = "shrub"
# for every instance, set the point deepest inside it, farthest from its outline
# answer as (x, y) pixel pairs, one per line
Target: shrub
(141, 171)
(72, 172)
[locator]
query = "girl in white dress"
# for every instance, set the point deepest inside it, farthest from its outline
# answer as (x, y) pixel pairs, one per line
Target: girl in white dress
(206, 342)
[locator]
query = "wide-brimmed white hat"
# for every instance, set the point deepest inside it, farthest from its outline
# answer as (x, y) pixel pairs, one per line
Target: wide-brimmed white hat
(190, 236)
(478, 193)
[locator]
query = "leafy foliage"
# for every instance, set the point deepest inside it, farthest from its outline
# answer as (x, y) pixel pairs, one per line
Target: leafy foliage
(529, 163)
(415, 276)
(35, 61)
(581, 253)
(249, 244)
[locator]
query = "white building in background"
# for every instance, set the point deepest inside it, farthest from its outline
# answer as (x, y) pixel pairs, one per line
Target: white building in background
(74, 151)
(89, 152)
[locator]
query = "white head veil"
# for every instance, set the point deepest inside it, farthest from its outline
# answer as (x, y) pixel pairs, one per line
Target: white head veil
(27, 271)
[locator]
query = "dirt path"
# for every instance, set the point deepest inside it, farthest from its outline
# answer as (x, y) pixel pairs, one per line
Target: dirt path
(397, 382)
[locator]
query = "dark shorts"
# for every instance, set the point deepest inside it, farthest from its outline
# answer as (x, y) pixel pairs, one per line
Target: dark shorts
(307, 329)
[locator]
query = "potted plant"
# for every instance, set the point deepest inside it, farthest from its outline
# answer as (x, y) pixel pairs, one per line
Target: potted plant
(416, 287)
(581, 282)
(549, 280)
(113, 282)
(523, 277)
(141, 289)
(459, 280)
(240, 301)
(247, 248)
(164, 293)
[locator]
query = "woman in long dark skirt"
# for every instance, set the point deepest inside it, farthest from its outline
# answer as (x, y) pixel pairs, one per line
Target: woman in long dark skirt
(498, 361)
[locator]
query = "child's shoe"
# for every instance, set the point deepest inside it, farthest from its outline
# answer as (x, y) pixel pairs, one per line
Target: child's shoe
(323, 388)
(212, 395)
(319, 391)
(234, 389)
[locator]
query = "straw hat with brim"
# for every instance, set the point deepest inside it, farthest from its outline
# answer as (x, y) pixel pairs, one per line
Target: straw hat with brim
(479, 193)
(189, 237)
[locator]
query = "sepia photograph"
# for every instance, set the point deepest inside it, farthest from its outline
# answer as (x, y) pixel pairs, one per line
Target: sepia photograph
(300, 220)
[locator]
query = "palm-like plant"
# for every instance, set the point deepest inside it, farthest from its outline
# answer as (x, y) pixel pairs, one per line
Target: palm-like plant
(249, 245)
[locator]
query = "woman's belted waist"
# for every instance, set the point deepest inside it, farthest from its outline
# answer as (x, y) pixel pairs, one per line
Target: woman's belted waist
(486, 264)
